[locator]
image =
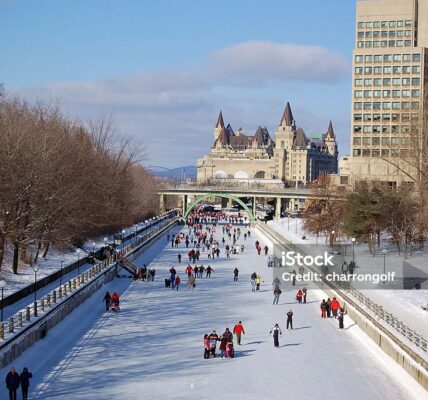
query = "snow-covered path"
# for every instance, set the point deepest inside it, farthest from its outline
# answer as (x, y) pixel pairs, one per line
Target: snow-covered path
(153, 347)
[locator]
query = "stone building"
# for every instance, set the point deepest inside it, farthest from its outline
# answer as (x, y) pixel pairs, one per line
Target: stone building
(289, 158)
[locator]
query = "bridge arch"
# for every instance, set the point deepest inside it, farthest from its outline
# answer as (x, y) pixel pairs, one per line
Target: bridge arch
(223, 195)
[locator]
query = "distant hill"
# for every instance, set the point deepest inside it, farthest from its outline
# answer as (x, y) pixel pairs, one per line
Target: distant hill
(179, 173)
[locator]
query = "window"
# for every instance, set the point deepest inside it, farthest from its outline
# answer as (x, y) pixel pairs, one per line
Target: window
(400, 34)
(357, 129)
(376, 129)
(386, 117)
(405, 105)
(386, 93)
(416, 92)
(386, 105)
(405, 93)
(415, 105)
(407, 43)
(416, 57)
(366, 153)
(367, 106)
(368, 82)
(376, 43)
(416, 81)
(405, 117)
(384, 34)
(396, 69)
(391, 43)
(376, 105)
(385, 152)
(361, 25)
(408, 24)
(378, 58)
(384, 43)
(369, 34)
(396, 93)
(406, 81)
(368, 44)
(368, 59)
(357, 153)
(358, 93)
(384, 24)
(396, 81)
(416, 69)
(366, 141)
(406, 69)
(396, 105)
(408, 33)
(367, 129)
(376, 24)
(395, 129)
(376, 117)
(395, 117)
(377, 70)
(386, 81)
(377, 93)
(358, 59)
(357, 141)
(387, 58)
(400, 43)
(368, 93)
(358, 82)
(375, 153)
(405, 128)
(386, 129)
(368, 70)
(385, 140)
(397, 57)
(282, 144)
(360, 44)
(358, 70)
(395, 140)
(376, 141)
(377, 82)
(406, 57)
(357, 117)
(386, 70)
(392, 34)
(369, 24)
(358, 106)
(400, 24)
(360, 35)
(367, 117)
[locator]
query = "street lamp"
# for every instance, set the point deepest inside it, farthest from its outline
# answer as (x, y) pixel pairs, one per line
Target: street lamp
(35, 269)
(3, 284)
(78, 261)
(384, 251)
(353, 251)
(332, 239)
(123, 241)
(93, 249)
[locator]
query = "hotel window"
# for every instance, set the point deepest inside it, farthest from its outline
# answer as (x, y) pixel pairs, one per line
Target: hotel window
(408, 24)
(416, 81)
(360, 44)
(416, 92)
(400, 43)
(376, 24)
(391, 43)
(357, 152)
(395, 117)
(358, 70)
(386, 81)
(367, 106)
(392, 24)
(366, 141)
(369, 24)
(358, 59)
(386, 117)
(387, 58)
(416, 69)
(376, 141)
(400, 24)
(385, 153)
(396, 70)
(415, 105)
(386, 105)
(405, 105)
(400, 34)
(368, 82)
(357, 141)
(392, 34)
(357, 129)
(376, 129)
(405, 117)
(366, 153)
(376, 34)
(358, 106)
(407, 43)
(397, 57)
(383, 43)
(358, 82)
(384, 24)
(375, 153)
(406, 57)
(406, 81)
(369, 34)
(358, 93)
(386, 93)
(376, 117)
(368, 93)
(385, 140)
(405, 93)
(396, 93)
(367, 129)
(377, 93)
(377, 58)
(360, 35)
(361, 25)
(406, 69)
(386, 129)
(386, 70)
(376, 105)
(396, 105)
(367, 117)
(377, 70)
(384, 34)
(357, 117)
(368, 70)
(368, 59)
(416, 57)
(377, 82)
(368, 44)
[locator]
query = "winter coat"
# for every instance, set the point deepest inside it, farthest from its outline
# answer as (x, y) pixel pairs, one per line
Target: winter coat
(238, 328)
(177, 280)
(206, 343)
(324, 306)
(276, 330)
(258, 280)
(228, 335)
(115, 298)
(335, 305)
(290, 315)
(12, 381)
(223, 343)
(25, 378)
(107, 298)
(299, 294)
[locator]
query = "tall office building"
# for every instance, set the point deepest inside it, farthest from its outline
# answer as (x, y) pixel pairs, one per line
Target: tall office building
(390, 78)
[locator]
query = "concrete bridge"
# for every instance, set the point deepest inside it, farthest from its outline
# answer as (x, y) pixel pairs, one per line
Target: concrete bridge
(289, 199)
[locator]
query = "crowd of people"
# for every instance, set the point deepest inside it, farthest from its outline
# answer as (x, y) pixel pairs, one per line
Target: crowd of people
(226, 346)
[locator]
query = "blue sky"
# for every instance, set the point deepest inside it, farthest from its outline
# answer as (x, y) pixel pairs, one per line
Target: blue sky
(163, 69)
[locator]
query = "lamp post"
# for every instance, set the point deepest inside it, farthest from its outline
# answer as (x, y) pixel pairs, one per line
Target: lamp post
(78, 261)
(353, 250)
(93, 249)
(3, 284)
(123, 241)
(332, 240)
(35, 269)
(384, 251)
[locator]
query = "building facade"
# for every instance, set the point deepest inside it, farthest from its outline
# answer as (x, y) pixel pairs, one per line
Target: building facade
(389, 91)
(288, 158)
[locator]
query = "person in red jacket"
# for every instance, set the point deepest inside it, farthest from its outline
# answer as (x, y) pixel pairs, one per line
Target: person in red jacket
(266, 249)
(189, 271)
(177, 281)
(299, 296)
(259, 249)
(238, 329)
(335, 306)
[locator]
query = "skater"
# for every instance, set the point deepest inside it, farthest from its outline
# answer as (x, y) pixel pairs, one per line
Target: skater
(228, 334)
(290, 319)
(201, 271)
(328, 302)
(177, 282)
(206, 347)
(235, 275)
(259, 249)
(223, 345)
(299, 296)
(253, 281)
(115, 300)
(276, 330)
(189, 270)
(12, 383)
(258, 281)
(209, 270)
(191, 283)
(266, 249)
(238, 330)
(305, 291)
(341, 317)
(335, 306)
(276, 293)
(25, 382)
(179, 258)
(107, 300)
(212, 340)
(294, 277)
(323, 309)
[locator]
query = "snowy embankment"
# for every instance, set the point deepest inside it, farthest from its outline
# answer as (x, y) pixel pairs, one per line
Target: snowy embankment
(404, 304)
(153, 347)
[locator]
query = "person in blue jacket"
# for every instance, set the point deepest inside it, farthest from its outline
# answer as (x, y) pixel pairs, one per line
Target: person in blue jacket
(12, 383)
(25, 382)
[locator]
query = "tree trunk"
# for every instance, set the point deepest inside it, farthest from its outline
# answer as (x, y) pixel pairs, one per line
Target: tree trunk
(15, 257)
(45, 252)
(39, 246)
(2, 245)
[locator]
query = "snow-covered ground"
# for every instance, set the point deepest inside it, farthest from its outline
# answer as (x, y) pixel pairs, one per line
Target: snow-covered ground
(404, 304)
(153, 347)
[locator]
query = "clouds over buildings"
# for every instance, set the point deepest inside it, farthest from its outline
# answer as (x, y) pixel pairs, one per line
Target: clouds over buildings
(178, 107)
